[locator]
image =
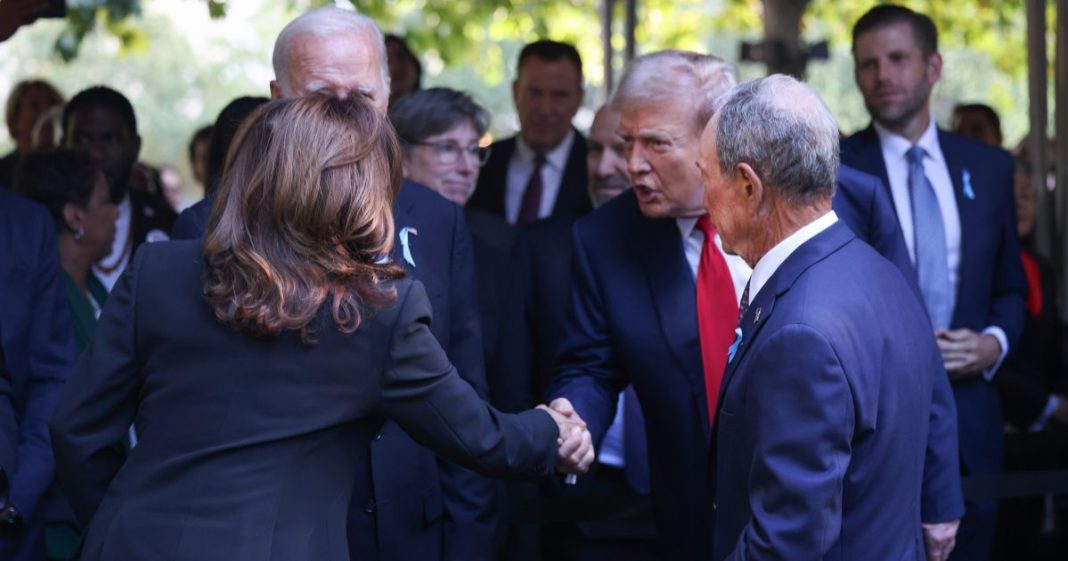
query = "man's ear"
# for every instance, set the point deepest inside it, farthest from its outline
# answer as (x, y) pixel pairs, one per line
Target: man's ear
(276, 90)
(515, 91)
(72, 217)
(752, 186)
(934, 67)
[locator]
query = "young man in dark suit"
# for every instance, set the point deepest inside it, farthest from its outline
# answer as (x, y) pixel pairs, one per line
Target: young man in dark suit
(953, 199)
(541, 171)
(101, 121)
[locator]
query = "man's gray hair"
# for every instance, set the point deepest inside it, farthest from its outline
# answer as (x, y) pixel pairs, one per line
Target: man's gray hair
(324, 23)
(674, 74)
(784, 131)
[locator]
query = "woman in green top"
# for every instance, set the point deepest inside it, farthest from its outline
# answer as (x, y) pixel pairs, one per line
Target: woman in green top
(76, 193)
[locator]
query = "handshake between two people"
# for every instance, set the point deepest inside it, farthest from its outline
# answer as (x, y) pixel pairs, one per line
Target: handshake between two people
(575, 452)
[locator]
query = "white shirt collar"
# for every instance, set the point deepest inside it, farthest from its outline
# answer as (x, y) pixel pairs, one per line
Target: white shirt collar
(896, 145)
(556, 158)
(772, 260)
(686, 226)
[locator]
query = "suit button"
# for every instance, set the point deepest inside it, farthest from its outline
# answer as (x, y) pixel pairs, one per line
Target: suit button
(370, 508)
(713, 507)
(378, 436)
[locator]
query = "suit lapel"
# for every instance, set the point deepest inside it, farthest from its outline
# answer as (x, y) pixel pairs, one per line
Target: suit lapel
(867, 156)
(674, 296)
(570, 199)
(970, 214)
(762, 307)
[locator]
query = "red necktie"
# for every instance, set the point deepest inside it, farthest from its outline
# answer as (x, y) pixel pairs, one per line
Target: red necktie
(717, 313)
(531, 205)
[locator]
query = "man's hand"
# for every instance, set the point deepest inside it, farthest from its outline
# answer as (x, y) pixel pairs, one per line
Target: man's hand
(966, 353)
(575, 452)
(939, 539)
(1061, 412)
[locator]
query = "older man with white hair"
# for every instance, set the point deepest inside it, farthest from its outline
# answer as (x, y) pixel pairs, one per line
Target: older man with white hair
(423, 507)
(822, 420)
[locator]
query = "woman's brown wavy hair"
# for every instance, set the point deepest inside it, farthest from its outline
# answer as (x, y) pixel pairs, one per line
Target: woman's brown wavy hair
(304, 215)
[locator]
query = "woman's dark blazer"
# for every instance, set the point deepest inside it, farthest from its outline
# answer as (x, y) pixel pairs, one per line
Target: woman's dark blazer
(250, 448)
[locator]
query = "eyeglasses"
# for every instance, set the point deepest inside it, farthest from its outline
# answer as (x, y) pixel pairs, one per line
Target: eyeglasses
(449, 152)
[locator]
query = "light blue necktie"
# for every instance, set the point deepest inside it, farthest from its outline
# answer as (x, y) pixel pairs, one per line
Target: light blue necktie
(932, 267)
(742, 308)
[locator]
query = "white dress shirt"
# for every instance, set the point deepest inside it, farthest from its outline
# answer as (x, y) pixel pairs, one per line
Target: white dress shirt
(693, 239)
(522, 165)
(774, 258)
(894, 147)
(119, 257)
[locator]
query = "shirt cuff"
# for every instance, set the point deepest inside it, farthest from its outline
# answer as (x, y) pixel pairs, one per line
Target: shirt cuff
(1040, 422)
(998, 334)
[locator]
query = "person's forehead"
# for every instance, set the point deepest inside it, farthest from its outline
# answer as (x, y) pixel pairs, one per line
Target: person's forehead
(894, 35)
(349, 50)
(535, 67)
(656, 112)
(97, 118)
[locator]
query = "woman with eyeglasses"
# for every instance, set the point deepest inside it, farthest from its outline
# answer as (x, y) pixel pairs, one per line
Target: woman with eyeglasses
(439, 130)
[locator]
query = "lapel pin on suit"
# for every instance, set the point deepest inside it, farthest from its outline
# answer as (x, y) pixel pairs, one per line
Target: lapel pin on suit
(966, 179)
(405, 246)
(756, 316)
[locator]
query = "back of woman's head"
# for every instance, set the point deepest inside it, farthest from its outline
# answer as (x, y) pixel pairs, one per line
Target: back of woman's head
(55, 178)
(304, 214)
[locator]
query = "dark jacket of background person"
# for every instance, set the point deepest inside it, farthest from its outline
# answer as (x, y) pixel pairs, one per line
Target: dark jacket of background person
(249, 445)
(38, 345)
(572, 201)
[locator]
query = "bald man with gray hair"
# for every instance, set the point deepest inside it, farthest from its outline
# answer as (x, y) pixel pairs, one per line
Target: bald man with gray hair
(823, 417)
(422, 507)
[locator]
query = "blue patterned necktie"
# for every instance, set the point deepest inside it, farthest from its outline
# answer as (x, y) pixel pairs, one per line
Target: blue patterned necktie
(932, 268)
(742, 308)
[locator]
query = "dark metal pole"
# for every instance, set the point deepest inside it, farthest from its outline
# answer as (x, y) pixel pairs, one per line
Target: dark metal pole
(1060, 258)
(1038, 88)
(631, 25)
(607, 12)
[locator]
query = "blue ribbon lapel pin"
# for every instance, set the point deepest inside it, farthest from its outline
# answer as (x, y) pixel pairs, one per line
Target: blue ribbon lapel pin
(966, 179)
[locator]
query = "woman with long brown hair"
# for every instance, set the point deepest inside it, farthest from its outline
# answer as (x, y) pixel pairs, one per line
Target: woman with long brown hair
(258, 366)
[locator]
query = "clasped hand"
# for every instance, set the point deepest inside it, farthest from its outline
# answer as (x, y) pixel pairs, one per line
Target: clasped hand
(575, 452)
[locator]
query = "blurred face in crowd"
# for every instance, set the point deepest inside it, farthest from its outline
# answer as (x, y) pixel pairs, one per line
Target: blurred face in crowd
(96, 221)
(34, 102)
(604, 157)
(201, 151)
(975, 124)
(547, 95)
(402, 71)
(1025, 204)
(106, 137)
(448, 162)
(894, 75)
(660, 145)
(343, 65)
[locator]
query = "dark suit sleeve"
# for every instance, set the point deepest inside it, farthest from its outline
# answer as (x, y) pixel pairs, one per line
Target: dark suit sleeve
(422, 392)
(588, 372)
(468, 499)
(9, 430)
(51, 355)
(802, 447)
(1010, 284)
(100, 400)
(192, 222)
(942, 495)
